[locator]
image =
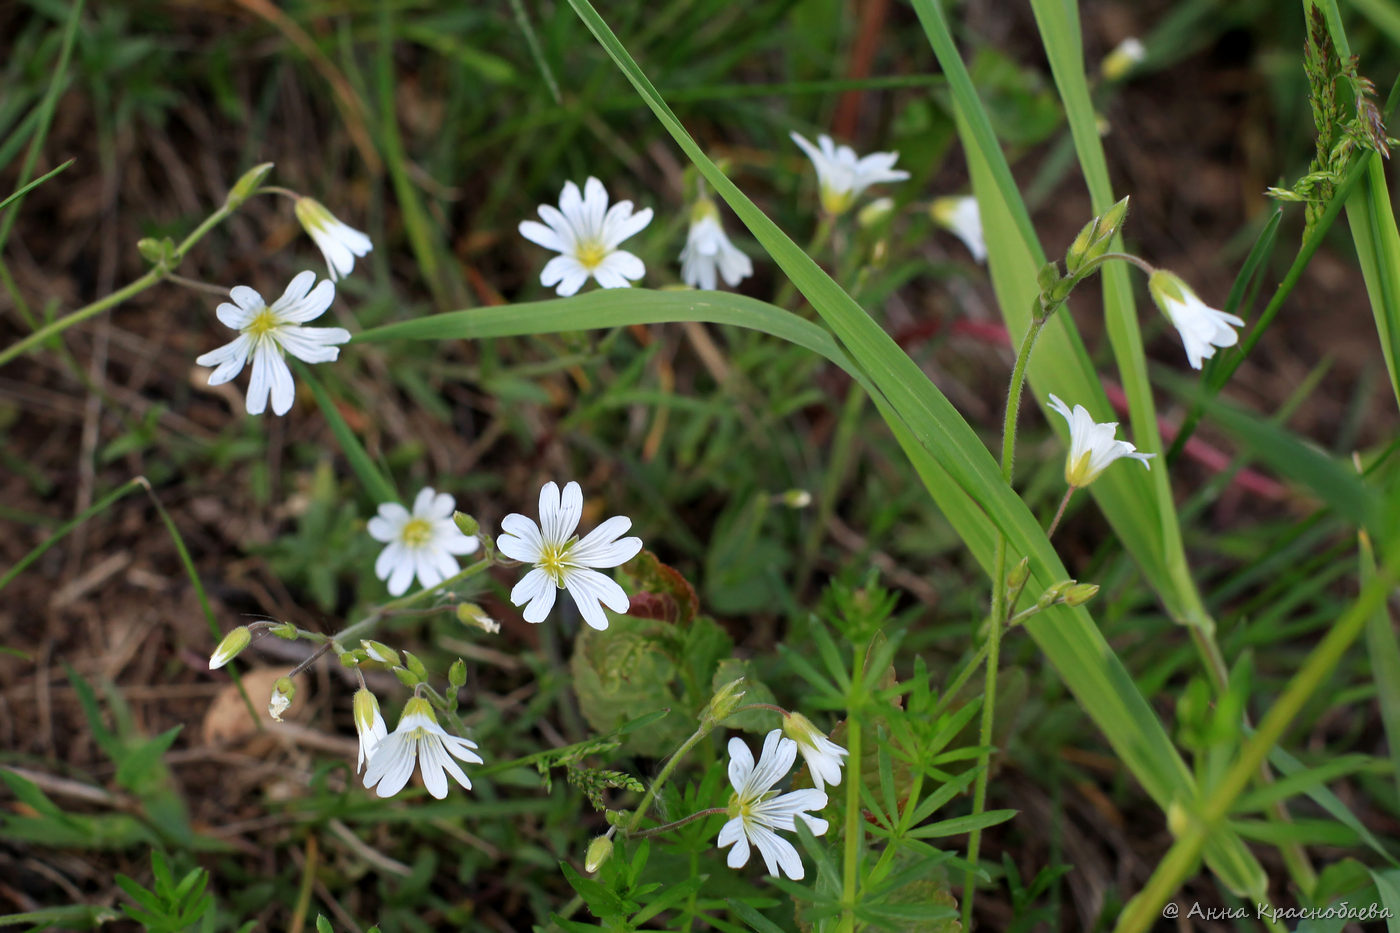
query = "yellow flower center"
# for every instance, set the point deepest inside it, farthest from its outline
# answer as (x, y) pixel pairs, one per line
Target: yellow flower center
(262, 324)
(554, 560)
(591, 254)
(416, 532)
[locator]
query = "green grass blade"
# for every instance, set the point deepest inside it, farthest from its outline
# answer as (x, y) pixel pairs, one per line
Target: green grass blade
(1384, 653)
(45, 117)
(374, 482)
(25, 189)
(1373, 230)
(67, 528)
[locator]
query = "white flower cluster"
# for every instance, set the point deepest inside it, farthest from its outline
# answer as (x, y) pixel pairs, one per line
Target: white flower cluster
(757, 812)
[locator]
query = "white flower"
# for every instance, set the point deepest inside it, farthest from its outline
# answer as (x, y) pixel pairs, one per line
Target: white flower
(339, 242)
(842, 175)
(561, 560)
(824, 757)
(369, 724)
(1202, 327)
(421, 542)
(708, 250)
(756, 811)
(1127, 54)
(269, 332)
(281, 700)
(419, 738)
(1092, 446)
(586, 234)
(961, 216)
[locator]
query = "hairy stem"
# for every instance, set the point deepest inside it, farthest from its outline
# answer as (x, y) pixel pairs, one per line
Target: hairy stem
(999, 607)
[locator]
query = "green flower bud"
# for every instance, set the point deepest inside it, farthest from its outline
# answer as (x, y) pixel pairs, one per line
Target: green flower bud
(875, 213)
(1080, 593)
(796, 498)
(457, 674)
(1096, 237)
(234, 643)
(380, 652)
(724, 702)
(159, 253)
(599, 851)
(1019, 574)
(244, 188)
(466, 524)
(415, 665)
(1053, 593)
(407, 677)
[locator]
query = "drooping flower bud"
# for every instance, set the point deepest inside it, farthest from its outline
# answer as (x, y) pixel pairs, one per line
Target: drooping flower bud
(232, 645)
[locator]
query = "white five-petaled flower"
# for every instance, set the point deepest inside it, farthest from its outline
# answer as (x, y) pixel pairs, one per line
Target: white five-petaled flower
(963, 218)
(1092, 446)
(369, 724)
(586, 233)
(842, 175)
(756, 811)
(708, 250)
(266, 333)
(421, 542)
(419, 738)
(824, 757)
(339, 242)
(1202, 327)
(562, 561)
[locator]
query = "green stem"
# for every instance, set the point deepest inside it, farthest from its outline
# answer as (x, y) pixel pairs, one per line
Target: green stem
(853, 832)
(1144, 909)
(676, 824)
(117, 297)
(378, 615)
(640, 813)
(999, 607)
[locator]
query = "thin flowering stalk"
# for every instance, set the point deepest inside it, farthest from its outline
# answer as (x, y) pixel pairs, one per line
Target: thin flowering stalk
(1039, 315)
(640, 813)
(853, 824)
(367, 624)
(153, 277)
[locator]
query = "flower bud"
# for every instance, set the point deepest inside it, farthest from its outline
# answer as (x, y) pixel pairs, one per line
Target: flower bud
(724, 702)
(234, 643)
(466, 524)
(281, 700)
(472, 614)
(244, 188)
(1179, 819)
(415, 665)
(599, 851)
(1019, 574)
(1080, 593)
(366, 708)
(457, 674)
(875, 213)
(796, 498)
(1124, 57)
(1053, 593)
(378, 651)
(1096, 237)
(159, 253)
